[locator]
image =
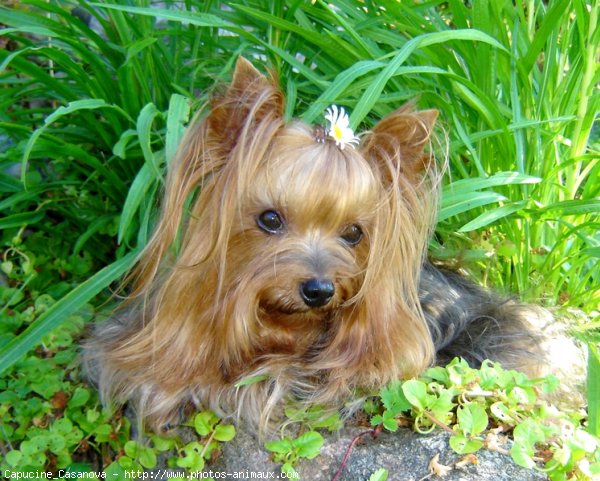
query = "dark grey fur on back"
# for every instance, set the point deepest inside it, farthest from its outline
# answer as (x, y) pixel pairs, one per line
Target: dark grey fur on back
(468, 321)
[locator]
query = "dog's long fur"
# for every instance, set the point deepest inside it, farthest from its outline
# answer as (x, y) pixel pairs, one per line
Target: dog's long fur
(216, 298)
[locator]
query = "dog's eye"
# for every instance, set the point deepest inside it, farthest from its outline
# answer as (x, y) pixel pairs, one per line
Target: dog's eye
(271, 222)
(352, 234)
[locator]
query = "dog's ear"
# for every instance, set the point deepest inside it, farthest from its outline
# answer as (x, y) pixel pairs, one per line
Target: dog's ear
(248, 101)
(401, 137)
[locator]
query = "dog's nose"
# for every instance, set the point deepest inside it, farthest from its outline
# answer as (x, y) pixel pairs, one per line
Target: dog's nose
(317, 292)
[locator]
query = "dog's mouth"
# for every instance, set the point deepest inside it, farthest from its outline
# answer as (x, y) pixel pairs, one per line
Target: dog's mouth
(296, 315)
(289, 309)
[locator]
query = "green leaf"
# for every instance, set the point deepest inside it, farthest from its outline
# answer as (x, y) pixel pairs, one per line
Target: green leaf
(131, 449)
(162, 444)
(491, 216)
(280, 446)
(115, 471)
(224, 432)
(466, 201)
(186, 17)
(13, 458)
(441, 406)
(571, 207)
(137, 46)
(289, 471)
(380, 475)
(472, 419)
(121, 146)
(309, 444)
(192, 458)
(377, 420)
(501, 412)
(464, 445)
(144, 130)
(342, 81)
(137, 195)
(79, 398)
(390, 423)
(21, 219)
(147, 457)
(56, 443)
(177, 117)
(204, 422)
(526, 435)
(76, 105)
(416, 393)
(522, 454)
(252, 380)
(393, 398)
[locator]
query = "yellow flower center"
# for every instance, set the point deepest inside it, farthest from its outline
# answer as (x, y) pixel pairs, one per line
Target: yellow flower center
(337, 132)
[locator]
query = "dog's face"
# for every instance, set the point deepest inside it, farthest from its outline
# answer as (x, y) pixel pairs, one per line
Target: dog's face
(301, 242)
(297, 241)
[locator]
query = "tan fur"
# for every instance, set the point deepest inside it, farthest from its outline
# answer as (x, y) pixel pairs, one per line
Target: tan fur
(215, 299)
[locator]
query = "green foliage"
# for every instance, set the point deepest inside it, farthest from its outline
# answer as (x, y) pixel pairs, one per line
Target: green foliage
(207, 425)
(314, 417)
(289, 451)
(51, 421)
(479, 406)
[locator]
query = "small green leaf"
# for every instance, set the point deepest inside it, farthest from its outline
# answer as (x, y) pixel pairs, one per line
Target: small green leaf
(224, 432)
(192, 459)
(309, 444)
(379, 475)
(526, 436)
(13, 458)
(204, 422)
(131, 449)
(464, 445)
(289, 471)
(376, 420)
(251, 380)
(56, 443)
(416, 393)
(128, 463)
(441, 407)
(391, 424)
(147, 457)
(280, 446)
(162, 444)
(562, 455)
(472, 419)
(439, 374)
(393, 398)
(522, 455)
(501, 412)
(79, 398)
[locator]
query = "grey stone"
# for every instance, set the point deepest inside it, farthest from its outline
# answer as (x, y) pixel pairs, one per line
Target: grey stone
(405, 455)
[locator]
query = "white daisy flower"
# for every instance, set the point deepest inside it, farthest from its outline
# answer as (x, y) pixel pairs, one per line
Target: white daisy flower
(339, 128)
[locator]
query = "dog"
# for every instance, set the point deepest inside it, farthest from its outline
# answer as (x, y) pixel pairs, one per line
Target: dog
(290, 265)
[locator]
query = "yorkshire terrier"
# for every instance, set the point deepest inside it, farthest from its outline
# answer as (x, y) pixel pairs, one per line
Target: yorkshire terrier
(290, 264)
